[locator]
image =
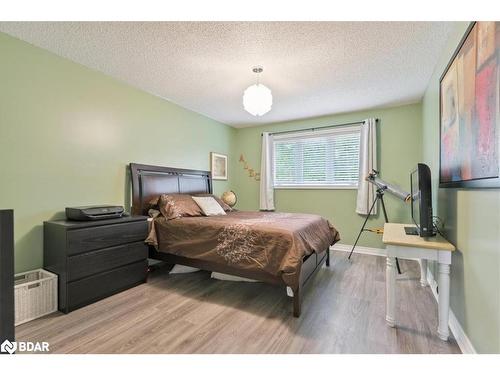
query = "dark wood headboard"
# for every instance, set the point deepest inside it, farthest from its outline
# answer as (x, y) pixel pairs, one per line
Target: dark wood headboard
(149, 181)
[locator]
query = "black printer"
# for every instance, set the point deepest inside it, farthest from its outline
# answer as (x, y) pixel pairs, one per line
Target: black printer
(85, 213)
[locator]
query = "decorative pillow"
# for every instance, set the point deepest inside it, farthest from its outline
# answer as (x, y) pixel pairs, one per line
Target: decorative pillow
(153, 203)
(224, 206)
(173, 206)
(209, 206)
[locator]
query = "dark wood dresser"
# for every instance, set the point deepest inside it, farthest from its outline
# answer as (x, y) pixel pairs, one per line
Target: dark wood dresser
(95, 259)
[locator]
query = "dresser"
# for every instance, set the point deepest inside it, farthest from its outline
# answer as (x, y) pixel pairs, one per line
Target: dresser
(95, 259)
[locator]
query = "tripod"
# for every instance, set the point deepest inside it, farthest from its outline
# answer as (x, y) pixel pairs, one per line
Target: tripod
(380, 196)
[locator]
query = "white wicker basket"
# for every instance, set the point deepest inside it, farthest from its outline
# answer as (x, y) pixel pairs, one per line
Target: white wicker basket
(35, 295)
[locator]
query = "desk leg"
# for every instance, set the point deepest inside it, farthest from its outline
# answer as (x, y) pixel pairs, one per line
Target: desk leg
(444, 300)
(390, 283)
(423, 272)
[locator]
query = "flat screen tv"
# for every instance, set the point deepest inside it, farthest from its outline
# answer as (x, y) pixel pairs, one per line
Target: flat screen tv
(421, 202)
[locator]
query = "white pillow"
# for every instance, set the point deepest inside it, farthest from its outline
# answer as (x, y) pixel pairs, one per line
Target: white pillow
(209, 206)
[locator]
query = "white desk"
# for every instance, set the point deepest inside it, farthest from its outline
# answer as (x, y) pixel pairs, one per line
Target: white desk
(400, 245)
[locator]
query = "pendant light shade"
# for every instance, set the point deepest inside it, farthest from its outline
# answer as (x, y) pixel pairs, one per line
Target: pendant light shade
(257, 99)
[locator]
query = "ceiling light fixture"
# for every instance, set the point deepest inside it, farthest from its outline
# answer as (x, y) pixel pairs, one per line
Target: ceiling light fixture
(257, 99)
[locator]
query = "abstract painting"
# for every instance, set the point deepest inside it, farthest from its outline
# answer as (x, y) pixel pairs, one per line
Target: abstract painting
(469, 111)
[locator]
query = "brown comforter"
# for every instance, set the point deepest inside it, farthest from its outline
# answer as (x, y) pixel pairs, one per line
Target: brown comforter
(274, 243)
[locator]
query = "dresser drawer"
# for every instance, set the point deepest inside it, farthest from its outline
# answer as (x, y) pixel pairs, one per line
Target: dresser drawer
(94, 288)
(87, 239)
(97, 261)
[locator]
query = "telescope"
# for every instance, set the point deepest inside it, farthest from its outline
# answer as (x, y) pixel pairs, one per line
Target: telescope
(384, 186)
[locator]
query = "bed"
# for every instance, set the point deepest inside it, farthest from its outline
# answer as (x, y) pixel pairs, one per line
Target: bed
(277, 248)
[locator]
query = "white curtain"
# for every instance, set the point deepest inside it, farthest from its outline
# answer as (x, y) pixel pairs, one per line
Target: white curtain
(266, 174)
(367, 162)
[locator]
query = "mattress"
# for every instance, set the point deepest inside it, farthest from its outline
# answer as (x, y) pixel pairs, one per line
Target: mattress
(269, 242)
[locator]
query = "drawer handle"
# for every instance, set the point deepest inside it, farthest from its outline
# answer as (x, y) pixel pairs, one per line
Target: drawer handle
(32, 286)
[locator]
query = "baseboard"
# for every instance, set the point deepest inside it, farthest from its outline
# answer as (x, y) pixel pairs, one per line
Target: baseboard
(359, 249)
(463, 340)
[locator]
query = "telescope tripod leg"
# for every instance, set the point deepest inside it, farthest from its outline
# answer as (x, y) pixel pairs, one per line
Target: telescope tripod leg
(363, 227)
(397, 266)
(387, 220)
(381, 197)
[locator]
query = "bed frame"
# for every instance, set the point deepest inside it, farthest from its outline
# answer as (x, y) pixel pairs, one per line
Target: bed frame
(149, 181)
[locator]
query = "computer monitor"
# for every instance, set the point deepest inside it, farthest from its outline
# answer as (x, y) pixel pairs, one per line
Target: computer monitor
(421, 201)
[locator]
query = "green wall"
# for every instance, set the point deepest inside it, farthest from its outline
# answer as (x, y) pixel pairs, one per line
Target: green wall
(472, 221)
(399, 150)
(67, 134)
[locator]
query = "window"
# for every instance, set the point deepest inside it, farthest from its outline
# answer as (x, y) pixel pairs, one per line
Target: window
(317, 159)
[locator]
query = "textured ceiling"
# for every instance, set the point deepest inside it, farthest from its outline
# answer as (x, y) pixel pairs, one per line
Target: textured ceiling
(313, 68)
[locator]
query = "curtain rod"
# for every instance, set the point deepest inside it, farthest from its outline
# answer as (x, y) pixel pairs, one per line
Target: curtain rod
(320, 127)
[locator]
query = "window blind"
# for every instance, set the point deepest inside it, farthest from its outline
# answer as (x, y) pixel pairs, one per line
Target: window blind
(322, 159)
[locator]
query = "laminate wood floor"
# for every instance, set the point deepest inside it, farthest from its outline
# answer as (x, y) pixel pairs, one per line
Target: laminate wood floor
(343, 312)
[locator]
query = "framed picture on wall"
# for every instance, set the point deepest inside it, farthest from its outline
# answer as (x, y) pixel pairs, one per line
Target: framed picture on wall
(469, 111)
(218, 164)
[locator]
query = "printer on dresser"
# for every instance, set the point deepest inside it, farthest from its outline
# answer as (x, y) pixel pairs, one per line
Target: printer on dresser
(95, 259)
